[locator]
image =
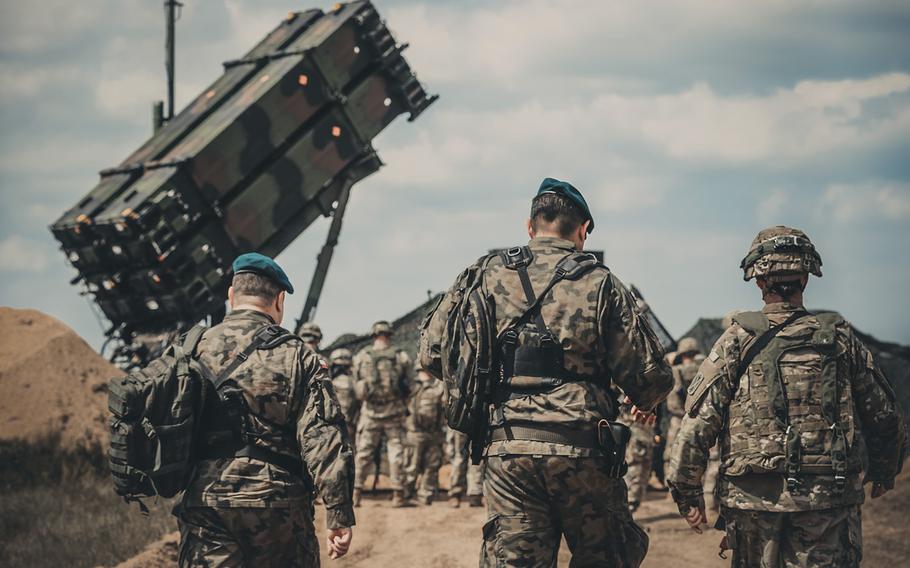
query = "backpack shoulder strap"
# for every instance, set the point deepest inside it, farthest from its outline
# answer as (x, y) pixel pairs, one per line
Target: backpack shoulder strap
(764, 338)
(192, 338)
(571, 267)
(267, 337)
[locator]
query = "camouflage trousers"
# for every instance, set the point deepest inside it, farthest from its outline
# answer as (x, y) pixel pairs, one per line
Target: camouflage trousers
(532, 501)
(370, 432)
(465, 478)
(709, 482)
(831, 538)
(228, 537)
(639, 456)
(424, 458)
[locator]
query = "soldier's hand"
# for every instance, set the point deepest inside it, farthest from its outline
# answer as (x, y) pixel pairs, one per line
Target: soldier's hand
(339, 541)
(639, 415)
(696, 517)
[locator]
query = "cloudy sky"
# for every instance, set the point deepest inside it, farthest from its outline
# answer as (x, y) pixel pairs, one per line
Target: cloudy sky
(689, 125)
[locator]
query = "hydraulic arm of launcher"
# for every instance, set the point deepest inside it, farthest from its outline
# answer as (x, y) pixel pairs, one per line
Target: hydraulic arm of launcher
(325, 257)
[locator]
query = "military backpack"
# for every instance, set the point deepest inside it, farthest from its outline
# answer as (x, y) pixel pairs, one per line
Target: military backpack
(478, 363)
(158, 413)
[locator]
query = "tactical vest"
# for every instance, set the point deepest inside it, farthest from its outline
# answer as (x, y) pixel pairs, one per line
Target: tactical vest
(425, 408)
(529, 355)
(386, 384)
(792, 413)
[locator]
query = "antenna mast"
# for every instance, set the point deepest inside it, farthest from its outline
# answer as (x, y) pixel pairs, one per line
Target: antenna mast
(172, 14)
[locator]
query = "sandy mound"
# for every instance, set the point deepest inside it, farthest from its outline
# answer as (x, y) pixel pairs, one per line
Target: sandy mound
(51, 383)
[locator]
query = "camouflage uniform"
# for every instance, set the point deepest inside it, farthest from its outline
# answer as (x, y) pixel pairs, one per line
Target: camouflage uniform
(466, 478)
(245, 512)
(683, 373)
(639, 457)
(382, 379)
(538, 491)
(794, 429)
(343, 381)
(425, 423)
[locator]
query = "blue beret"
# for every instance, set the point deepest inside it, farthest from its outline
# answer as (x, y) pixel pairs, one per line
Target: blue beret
(567, 190)
(264, 266)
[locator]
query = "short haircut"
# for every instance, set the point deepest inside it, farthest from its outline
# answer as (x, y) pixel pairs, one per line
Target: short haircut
(554, 209)
(250, 284)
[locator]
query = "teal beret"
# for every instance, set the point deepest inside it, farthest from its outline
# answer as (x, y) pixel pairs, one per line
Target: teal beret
(264, 266)
(567, 190)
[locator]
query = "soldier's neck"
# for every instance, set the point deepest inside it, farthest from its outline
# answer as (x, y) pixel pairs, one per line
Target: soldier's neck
(796, 300)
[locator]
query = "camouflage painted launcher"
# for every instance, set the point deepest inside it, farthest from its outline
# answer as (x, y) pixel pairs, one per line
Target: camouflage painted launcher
(247, 166)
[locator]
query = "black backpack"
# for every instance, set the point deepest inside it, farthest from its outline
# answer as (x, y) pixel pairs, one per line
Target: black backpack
(153, 422)
(157, 414)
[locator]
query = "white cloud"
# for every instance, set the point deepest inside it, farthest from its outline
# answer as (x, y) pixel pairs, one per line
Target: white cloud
(20, 254)
(770, 208)
(874, 199)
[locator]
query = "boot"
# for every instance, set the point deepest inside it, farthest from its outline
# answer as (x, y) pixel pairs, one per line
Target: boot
(399, 500)
(357, 497)
(455, 501)
(475, 500)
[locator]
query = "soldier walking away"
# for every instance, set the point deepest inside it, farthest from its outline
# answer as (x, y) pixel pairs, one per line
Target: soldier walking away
(382, 376)
(565, 329)
(312, 336)
(340, 363)
(466, 479)
(797, 403)
(425, 437)
(276, 436)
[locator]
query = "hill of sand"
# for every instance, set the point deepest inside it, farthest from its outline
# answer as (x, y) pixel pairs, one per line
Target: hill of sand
(53, 385)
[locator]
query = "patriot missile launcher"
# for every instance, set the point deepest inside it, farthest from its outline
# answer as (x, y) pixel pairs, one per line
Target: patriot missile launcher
(273, 144)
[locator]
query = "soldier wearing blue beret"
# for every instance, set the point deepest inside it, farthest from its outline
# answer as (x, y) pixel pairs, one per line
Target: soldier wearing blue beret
(250, 501)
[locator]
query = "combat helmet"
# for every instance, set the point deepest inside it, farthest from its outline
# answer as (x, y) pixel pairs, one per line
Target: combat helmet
(781, 253)
(686, 346)
(341, 356)
(382, 327)
(310, 330)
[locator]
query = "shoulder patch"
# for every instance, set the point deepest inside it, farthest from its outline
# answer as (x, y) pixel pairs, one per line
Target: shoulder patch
(708, 374)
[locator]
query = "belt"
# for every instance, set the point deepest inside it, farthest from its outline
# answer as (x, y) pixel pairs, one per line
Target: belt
(293, 465)
(547, 433)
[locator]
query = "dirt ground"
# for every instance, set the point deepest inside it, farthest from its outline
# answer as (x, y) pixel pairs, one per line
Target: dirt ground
(53, 385)
(442, 537)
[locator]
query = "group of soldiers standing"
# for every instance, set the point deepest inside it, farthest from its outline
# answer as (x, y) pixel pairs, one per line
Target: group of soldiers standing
(395, 409)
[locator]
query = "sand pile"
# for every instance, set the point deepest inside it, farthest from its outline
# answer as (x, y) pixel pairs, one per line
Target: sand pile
(53, 385)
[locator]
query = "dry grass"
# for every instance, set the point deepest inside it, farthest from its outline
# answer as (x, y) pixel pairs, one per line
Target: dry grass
(61, 510)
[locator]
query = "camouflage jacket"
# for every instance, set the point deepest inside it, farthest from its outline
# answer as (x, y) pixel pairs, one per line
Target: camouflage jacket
(682, 377)
(736, 411)
(603, 336)
(382, 381)
(293, 410)
(347, 397)
(426, 408)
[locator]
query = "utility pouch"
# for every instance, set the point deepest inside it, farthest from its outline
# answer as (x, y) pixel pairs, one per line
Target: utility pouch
(613, 438)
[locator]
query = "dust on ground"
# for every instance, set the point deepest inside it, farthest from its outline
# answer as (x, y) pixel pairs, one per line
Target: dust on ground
(53, 385)
(442, 537)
